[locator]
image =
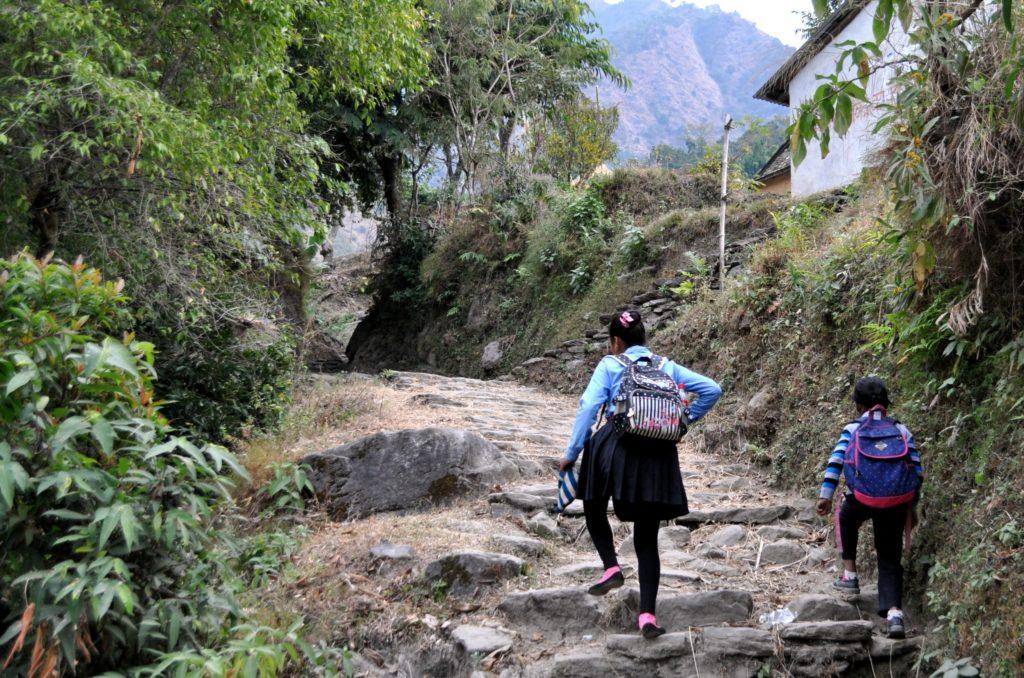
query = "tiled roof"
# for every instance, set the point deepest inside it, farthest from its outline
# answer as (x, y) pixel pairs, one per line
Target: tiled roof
(777, 164)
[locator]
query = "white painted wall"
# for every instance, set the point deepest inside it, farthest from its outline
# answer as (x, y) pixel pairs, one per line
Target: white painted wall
(847, 155)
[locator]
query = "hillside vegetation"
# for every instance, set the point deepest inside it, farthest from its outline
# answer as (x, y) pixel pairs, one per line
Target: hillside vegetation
(540, 264)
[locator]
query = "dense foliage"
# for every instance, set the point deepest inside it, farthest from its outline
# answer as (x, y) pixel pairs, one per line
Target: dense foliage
(756, 142)
(165, 141)
(106, 512)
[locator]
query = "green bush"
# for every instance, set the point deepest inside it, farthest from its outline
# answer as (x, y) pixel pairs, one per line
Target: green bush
(105, 514)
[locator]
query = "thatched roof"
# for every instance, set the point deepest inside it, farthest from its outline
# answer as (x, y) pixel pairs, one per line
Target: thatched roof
(777, 165)
(776, 89)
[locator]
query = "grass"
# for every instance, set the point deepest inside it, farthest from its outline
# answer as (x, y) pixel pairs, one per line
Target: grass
(319, 406)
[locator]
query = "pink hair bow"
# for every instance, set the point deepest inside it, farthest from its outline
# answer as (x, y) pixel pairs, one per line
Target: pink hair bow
(626, 318)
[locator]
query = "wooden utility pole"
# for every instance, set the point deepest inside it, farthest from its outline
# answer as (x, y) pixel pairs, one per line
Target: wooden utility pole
(725, 195)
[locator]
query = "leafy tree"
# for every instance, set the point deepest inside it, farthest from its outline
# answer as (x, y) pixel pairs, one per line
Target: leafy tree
(494, 64)
(165, 141)
(573, 140)
(756, 141)
(106, 512)
(816, 18)
(672, 157)
(759, 142)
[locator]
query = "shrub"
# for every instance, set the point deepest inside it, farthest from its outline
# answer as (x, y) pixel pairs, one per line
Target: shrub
(105, 513)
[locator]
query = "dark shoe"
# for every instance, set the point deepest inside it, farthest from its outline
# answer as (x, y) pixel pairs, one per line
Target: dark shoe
(896, 628)
(851, 586)
(602, 587)
(651, 631)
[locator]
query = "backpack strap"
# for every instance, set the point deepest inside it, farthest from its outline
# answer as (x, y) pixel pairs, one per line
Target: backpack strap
(622, 359)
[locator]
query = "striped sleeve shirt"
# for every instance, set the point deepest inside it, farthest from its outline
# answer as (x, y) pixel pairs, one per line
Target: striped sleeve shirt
(835, 462)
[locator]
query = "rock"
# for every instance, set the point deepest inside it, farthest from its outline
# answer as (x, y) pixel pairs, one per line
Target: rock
(637, 647)
(686, 609)
(701, 565)
(884, 648)
(805, 511)
(587, 571)
(710, 551)
(559, 611)
(726, 641)
(435, 400)
(820, 607)
(542, 524)
(492, 355)
(731, 484)
(521, 500)
(588, 662)
(388, 551)
(756, 515)
(481, 639)
(674, 537)
(823, 659)
(776, 532)
(820, 555)
(827, 631)
(732, 535)
(466, 572)
(522, 545)
(782, 552)
(759, 402)
(759, 415)
(681, 577)
(404, 470)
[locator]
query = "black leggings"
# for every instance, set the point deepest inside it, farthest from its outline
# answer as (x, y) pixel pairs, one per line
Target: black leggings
(645, 541)
(888, 526)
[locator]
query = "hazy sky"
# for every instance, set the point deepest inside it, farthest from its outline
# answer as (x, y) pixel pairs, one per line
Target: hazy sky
(775, 17)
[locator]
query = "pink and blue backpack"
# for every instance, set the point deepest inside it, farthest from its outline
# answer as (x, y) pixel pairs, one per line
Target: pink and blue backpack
(878, 467)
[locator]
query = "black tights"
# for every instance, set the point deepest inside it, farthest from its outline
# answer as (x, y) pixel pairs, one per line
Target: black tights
(645, 542)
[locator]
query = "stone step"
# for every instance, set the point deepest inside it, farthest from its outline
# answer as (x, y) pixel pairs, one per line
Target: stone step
(558, 611)
(481, 640)
(814, 607)
(683, 610)
(751, 515)
(521, 501)
(835, 631)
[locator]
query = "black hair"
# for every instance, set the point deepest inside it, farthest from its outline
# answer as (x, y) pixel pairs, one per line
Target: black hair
(628, 326)
(870, 392)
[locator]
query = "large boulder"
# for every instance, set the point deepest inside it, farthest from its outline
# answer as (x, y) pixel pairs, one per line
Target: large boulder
(492, 355)
(405, 469)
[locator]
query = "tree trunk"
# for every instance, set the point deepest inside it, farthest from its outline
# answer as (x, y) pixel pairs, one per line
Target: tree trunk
(390, 164)
(505, 130)
(44, 210)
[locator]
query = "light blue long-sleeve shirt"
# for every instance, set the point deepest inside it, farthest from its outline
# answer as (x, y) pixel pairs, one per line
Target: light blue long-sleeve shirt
(604, 386)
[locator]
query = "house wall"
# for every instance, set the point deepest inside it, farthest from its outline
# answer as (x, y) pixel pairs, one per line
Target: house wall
(781, 184)
(850, 154)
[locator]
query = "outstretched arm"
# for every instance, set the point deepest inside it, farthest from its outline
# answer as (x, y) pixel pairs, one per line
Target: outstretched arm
(708, 391)
(597, 393)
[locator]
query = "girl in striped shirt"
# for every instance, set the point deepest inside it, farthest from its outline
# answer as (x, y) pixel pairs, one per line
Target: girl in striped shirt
(871, 398)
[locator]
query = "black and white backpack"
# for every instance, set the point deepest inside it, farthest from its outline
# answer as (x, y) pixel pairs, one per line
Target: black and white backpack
(649, 404)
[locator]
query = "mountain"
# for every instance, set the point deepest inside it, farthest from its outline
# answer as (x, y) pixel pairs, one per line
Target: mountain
(689, 66)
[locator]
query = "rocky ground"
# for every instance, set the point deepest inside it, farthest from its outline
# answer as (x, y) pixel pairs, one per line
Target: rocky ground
(464, 570)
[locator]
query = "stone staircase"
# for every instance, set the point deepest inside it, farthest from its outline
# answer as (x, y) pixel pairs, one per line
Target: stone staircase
(515, 600)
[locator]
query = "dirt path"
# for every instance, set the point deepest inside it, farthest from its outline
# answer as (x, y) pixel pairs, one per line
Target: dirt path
(744, 552)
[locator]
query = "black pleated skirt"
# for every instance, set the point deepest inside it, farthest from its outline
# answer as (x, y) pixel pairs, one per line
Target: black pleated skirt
(641, 477)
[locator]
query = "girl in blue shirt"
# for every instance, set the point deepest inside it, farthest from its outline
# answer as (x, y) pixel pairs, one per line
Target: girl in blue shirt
(641, 476)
